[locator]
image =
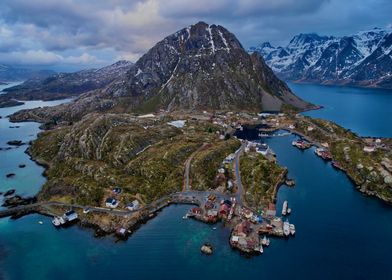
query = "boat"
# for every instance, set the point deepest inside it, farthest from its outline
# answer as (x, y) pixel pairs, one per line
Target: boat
(57, 221)
(268, 242)
(265, 241)
(263, 135)
(292, 229)
(284, 208)
(288, 211)
(286, 228)
(186, 216)
(41, 222)
(261, 249)
(301, 144)
(323, 153)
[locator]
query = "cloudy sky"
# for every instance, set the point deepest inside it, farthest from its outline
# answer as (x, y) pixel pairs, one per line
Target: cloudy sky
(74, 34)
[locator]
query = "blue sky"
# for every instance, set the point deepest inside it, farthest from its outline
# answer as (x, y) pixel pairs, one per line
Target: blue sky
(75, 34)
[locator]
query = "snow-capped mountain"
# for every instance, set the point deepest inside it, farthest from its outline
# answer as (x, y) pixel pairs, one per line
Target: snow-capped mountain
(363, 59)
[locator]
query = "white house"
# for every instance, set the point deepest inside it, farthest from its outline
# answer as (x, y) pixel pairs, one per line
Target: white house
(369, 149)
(134, 205)
(111, 203)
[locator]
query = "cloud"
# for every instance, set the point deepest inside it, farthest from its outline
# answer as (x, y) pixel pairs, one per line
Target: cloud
(41, 57)
(89, 32)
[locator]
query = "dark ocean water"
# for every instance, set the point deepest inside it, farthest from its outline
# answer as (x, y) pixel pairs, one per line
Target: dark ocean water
(340, 233)
(368, 112)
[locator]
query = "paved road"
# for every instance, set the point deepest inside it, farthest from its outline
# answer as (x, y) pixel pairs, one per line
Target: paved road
(196, 197)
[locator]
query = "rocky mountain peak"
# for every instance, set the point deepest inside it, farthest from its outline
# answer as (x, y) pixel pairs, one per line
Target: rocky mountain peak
(359, 59)
(200, 67)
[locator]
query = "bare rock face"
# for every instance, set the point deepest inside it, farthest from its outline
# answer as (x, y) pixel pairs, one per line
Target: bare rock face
(201, 67)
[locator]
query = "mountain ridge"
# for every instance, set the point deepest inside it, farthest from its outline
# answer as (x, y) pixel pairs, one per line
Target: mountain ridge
(361, 59)
(200, 67)
(10, 73)
(64, 85)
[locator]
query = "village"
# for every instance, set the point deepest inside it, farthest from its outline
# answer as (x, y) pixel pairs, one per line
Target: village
(252, 225)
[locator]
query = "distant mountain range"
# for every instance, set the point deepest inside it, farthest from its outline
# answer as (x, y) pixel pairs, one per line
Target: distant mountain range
(63, 85)
(201, 67)
(15, 74)
(362, 59)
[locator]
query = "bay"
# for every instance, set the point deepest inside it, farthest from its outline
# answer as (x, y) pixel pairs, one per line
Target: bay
(340, 233)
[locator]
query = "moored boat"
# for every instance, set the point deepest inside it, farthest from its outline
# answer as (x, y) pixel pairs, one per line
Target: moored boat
(301, 144)
(265, 241)
(292, 229)
(286, 228)
(323, 153)
(284, 208)
(57, 221)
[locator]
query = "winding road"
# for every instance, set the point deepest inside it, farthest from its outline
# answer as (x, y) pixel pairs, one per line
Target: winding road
(240, 188)
(186, 196)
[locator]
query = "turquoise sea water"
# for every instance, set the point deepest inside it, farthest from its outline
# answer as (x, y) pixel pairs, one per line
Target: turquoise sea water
(340, 233)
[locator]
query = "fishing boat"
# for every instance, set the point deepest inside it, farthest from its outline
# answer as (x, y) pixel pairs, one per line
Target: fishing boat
(265, 241)
(323, 153)
(284, 208)
(301, 144)
(286, 228)
(292, 229)
(58, 221)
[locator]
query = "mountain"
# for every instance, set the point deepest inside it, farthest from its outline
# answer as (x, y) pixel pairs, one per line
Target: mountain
(14, 74)
(201, 67)
(362, 59)
(63, 85)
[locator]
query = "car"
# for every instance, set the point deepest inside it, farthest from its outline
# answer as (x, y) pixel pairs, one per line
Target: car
(86, 210)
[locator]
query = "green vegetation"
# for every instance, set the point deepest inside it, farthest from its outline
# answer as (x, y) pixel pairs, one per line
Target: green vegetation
(364, 168)
(145, 157)
(205, 163)
(260, 178)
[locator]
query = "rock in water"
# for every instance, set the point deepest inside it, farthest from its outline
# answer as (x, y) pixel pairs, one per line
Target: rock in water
(10, 175)
(9, 192)
(206, 249)
(15, 143)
